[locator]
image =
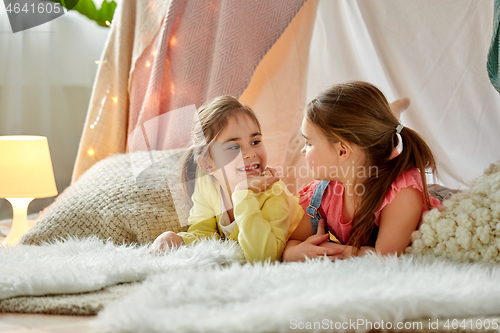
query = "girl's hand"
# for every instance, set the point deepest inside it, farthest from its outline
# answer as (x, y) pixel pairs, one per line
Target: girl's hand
(311, 247)
(259, 184)
(165, 241)
(347, 251)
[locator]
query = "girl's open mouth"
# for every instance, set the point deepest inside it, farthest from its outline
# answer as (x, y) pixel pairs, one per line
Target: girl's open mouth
(254, 167)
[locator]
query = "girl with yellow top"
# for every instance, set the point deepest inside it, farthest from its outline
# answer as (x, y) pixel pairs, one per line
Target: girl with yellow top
(235, 196)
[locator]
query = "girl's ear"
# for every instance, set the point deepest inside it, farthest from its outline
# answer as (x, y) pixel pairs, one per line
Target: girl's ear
(344, 151)
(204, 164)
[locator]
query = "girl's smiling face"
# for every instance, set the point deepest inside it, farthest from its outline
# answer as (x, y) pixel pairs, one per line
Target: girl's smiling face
(239, 150)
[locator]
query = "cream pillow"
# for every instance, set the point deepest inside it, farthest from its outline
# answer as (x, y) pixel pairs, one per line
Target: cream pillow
(108, 201)
(467, 226)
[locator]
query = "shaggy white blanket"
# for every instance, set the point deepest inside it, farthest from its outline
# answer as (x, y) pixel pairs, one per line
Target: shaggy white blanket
(206, 288)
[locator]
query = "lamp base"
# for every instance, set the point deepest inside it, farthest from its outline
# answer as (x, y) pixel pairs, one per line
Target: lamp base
(19, 221)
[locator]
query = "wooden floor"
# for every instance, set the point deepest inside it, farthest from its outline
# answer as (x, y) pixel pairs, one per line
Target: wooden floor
(34, 323)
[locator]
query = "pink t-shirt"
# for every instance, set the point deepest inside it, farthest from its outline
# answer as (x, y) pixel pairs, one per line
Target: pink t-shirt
(331, 204)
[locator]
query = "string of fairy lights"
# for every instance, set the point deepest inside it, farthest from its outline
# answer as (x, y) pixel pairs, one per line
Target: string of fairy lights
(172, 42)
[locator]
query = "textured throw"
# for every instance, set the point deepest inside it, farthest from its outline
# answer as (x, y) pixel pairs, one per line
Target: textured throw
(78, 304)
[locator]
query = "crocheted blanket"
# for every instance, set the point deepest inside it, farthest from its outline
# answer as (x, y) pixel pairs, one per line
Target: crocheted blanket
(467, 227)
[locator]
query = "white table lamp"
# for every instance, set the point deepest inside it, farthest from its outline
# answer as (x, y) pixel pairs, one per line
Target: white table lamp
(25, 174)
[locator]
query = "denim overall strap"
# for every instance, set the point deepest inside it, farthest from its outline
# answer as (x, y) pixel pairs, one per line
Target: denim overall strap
(312, 209)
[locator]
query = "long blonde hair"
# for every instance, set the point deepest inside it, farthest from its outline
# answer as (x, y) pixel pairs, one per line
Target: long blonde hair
(358, 113)
(212, 118)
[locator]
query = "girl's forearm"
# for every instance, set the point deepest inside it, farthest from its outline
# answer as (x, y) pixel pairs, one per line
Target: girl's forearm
(288, 253)
(365, 249)
(292, 243)
(350, 252)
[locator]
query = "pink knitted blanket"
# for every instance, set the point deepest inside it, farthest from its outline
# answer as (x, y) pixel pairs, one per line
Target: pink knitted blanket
(203, 49)
(154, 63)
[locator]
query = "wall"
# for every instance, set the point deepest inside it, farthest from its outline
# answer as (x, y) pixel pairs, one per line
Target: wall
(46, 78)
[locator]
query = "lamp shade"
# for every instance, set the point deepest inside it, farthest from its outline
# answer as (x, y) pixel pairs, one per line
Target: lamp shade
(26, 167)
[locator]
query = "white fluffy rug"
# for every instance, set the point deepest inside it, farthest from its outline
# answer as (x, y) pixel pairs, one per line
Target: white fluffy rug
(277, 298)
(86, 265)
(205, 288)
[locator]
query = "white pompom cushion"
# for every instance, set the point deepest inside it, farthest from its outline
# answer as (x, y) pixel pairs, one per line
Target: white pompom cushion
(108, 201)
(467, 227)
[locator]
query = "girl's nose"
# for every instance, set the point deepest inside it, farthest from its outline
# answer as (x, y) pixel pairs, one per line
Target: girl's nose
(303, 150)
(248, 153)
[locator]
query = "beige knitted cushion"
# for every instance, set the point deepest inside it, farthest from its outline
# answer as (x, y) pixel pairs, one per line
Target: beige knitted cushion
(108, 201)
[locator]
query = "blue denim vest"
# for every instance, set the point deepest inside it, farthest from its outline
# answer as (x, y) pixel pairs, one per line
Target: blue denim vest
(313, 212)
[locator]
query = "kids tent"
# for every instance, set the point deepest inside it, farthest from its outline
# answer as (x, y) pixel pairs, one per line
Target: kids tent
(277, 55)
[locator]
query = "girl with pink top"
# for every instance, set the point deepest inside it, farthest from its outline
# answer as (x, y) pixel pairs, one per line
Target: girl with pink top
(367, 197)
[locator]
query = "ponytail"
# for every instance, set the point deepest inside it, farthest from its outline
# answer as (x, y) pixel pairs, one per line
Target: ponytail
(189, 167)
(417, 154)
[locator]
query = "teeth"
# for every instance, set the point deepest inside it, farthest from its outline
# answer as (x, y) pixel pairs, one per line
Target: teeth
(250, 168)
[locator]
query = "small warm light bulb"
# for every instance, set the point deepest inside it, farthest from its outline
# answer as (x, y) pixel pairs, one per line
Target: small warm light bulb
(172, 89)
(92, 126)
(91, 152)
(154, 53)
(97, 62)
(115, 99)
(108, 23)
(148, 64)
(173, 41)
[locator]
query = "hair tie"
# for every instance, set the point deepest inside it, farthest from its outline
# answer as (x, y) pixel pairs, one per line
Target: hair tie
(399, 128)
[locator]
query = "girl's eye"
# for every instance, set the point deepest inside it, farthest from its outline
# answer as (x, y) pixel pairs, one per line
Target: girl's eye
(307, 144)
(235, 147)
(256, 142)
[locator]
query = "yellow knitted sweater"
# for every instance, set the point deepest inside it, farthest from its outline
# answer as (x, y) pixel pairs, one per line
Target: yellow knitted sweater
(264, 221)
